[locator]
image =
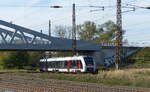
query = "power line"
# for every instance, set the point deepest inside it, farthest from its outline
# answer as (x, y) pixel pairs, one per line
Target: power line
(113, 15)
(26, 15)
(50, 6)
(61, 19)
(136, 6)
(58, 20)
(37, 6)
(132, 1)
(79, 6)
(31, 13)
(40, 6)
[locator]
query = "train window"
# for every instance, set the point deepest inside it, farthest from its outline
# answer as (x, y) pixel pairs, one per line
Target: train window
(51, 64)
(89, 61)
(64, 64)
(58, 64)
(74, 64)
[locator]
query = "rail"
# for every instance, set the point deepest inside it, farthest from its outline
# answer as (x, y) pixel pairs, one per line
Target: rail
(38, 85)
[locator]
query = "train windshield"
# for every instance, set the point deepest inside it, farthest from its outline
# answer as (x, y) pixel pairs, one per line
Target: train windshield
(89, 61)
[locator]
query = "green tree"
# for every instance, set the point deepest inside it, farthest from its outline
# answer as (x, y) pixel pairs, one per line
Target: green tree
(87, 31)
(3, 56)
(107, 32)
(20, 59)
(34, 57)
(17, 59)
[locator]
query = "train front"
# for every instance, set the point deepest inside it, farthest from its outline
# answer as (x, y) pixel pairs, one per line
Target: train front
(90, 65)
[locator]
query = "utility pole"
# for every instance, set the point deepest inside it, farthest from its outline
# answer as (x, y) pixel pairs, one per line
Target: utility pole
(74, 43)
(49, 28)
(44, 55)
(47, 53)
(41, 33)
(118, 35)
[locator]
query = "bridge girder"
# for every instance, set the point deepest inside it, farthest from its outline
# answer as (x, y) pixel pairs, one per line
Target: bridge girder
(37, 40)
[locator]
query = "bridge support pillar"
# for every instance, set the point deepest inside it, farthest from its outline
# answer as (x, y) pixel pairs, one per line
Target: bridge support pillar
(98, 58)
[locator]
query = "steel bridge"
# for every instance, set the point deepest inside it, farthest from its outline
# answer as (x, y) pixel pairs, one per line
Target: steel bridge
(15, 37)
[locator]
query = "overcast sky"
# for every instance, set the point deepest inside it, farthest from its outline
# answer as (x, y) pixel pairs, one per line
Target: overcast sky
(24, 12)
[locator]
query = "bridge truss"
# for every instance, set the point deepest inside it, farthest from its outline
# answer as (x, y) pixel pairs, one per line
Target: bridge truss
(15, 37)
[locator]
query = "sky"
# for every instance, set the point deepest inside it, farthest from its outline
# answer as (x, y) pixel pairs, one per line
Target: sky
(35, 14)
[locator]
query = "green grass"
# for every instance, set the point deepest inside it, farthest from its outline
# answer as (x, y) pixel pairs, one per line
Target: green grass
(126, 77)
(12, 70)
(131, 77)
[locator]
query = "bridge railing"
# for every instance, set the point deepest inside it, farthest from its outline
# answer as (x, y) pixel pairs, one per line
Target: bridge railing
(22, 42)
(125, 44)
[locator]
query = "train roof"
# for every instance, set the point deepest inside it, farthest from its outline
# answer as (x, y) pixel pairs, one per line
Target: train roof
(63, 58)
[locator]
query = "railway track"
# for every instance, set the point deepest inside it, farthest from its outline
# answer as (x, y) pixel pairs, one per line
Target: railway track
(24, 84)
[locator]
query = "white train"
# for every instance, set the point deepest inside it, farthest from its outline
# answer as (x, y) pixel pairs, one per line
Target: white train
(68, 64)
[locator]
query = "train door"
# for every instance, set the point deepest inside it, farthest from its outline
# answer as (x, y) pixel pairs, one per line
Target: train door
(74, 66)
(53, 64)
(68, 65)
(79, 65)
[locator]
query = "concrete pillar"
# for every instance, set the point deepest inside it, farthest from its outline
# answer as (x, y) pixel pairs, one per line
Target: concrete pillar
(98, 57)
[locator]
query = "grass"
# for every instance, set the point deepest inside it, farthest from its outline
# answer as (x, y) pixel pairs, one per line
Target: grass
(126, 77)
(12, 70)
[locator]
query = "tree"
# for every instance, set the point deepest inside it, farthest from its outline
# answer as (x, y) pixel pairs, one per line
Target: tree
(17, 59)
(63, 31)
(107, 32)
(3, 56)
(34, 58)
(87, 31)
(20, 59)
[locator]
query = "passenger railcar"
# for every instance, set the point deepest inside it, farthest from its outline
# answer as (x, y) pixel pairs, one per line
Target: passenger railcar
(68, 64)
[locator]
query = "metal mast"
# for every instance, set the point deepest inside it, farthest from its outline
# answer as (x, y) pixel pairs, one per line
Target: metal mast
(118, 34)
(50, 28)
(74, 29)
(47, 53)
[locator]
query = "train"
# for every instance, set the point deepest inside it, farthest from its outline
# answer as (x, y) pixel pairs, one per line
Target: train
(73, 64)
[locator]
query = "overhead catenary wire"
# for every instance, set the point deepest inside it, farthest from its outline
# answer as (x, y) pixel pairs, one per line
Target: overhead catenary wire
(64, 6)
(130, 1)
(29, 14)
(62, 19)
